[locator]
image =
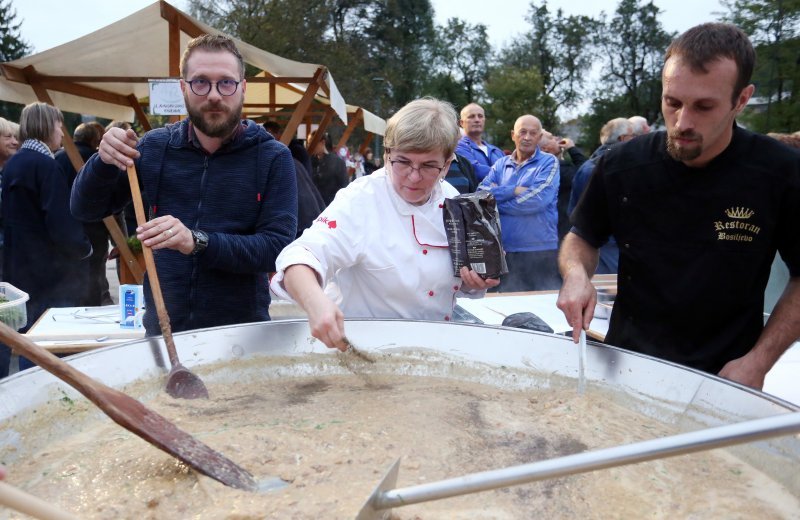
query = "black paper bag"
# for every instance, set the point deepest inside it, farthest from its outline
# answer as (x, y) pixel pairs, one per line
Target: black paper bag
(473, 234)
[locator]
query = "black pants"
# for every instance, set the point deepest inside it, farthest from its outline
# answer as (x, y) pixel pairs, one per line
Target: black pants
(97, 291)
(531, 271)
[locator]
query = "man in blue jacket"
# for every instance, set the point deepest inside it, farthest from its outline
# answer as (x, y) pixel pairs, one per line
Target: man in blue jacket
(220, 193)
(480, 154)
(525, 185)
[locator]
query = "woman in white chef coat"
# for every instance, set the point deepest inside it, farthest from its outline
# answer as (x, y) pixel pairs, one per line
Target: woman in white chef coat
(382, 239)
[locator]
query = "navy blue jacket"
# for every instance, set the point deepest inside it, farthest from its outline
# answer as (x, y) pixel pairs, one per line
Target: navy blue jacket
(44, 246)
(244, 196)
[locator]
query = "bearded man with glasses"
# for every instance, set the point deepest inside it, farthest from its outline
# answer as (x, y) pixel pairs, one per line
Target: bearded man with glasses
(220, 192)
(380, 250)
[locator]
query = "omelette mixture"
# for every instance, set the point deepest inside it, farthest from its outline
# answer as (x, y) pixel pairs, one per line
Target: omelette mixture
(332, 428)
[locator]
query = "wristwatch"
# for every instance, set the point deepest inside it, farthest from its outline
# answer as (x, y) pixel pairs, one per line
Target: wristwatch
(200, 241)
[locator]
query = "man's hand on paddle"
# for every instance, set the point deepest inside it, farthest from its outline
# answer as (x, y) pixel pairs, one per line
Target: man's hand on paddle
(118, 147)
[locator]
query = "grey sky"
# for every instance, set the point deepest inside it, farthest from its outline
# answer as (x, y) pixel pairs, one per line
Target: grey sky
(47, 23)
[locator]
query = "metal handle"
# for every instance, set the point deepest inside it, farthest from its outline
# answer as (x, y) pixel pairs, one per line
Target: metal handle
(691, 442)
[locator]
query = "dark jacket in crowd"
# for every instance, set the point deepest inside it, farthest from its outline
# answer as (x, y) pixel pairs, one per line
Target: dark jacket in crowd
(45, 247)
(244, 196)
(568, 169)
(461, 175)
(309, 201)
(299, 152)
(97, 233)
(329, 174)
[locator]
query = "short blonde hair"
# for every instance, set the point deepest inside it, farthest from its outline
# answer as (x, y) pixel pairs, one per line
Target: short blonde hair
(423, 125)
(9, 127)
(39, 121)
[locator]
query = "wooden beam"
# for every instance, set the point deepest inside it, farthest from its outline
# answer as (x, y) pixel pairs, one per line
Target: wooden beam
(352, 122)
(77, 162)
(302, 107)
(29, 75)
(174, 50)
(140, 115)
(321, 128)
(173, 16)
(365, 144)
(12, 76)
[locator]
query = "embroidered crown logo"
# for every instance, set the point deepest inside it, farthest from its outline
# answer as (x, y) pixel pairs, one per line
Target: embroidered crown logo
(739, 213)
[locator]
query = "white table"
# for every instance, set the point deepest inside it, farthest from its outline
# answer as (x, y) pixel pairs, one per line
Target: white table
(75, 329)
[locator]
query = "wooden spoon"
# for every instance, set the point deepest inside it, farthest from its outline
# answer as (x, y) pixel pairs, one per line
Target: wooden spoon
(15, 498)
(181, 383)
(134, 416)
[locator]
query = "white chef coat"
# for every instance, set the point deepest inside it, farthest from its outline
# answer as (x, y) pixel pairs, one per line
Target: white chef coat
(389, 258)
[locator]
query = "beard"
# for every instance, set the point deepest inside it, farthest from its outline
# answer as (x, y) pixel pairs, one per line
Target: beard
(682, 153)
(217, 125)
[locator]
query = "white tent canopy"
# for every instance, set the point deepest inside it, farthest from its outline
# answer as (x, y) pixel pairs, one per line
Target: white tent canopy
(105, 73)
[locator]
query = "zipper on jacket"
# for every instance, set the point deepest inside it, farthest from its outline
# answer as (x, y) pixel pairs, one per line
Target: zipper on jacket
(196, 225)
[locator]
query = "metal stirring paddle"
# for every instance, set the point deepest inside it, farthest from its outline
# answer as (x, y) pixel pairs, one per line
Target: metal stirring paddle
(582, 363)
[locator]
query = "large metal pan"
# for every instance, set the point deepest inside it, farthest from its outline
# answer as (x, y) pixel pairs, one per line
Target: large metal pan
(685, 398)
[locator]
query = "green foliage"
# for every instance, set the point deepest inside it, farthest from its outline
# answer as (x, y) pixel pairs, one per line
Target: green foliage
(134, 244)
(12, 47)
(558, 47)
(774, 28)
(463, 55)
(514, 92)
(632, 45)
(603, 109)
(378, 51)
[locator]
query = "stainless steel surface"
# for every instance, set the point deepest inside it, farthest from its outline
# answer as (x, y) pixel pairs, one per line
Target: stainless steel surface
(706, 439)
(677, 396)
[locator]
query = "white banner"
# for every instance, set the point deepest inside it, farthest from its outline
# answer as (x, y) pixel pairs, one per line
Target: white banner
(166, 98)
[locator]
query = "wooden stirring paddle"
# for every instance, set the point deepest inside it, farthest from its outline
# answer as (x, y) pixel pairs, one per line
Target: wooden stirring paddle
(181, 383)
(134, 416)
(18, 500)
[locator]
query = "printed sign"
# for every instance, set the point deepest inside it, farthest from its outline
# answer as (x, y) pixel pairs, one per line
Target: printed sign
(166, 98)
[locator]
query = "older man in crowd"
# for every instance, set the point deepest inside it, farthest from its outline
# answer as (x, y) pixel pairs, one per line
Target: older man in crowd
(480, 154)
(525, 185)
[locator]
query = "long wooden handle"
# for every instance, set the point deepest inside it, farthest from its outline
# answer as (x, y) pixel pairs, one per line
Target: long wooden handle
(23, 502)
(152, 274)
(42, 357)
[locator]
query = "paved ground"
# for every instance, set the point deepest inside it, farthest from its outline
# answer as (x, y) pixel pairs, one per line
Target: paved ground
(113, 280)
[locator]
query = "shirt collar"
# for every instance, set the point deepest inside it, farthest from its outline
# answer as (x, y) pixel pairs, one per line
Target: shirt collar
(194, 141)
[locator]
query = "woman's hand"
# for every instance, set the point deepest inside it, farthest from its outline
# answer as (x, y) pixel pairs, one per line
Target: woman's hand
(325, 319)
(326, 322)
(473, 280)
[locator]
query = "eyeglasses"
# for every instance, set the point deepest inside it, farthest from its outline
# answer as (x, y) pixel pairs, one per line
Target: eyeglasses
(404, 168)
(202, 87)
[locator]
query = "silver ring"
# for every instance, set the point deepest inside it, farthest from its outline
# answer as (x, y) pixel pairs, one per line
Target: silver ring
(169, 232)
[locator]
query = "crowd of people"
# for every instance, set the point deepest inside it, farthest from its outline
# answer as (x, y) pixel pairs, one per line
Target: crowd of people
(689, 217)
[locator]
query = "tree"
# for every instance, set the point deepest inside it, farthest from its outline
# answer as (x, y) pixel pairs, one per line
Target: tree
(513, 92)
(463, 56)
(632, 46)
(401, 37)
(12, 47)
(559, 48)
(774, 28)
(378, 50)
